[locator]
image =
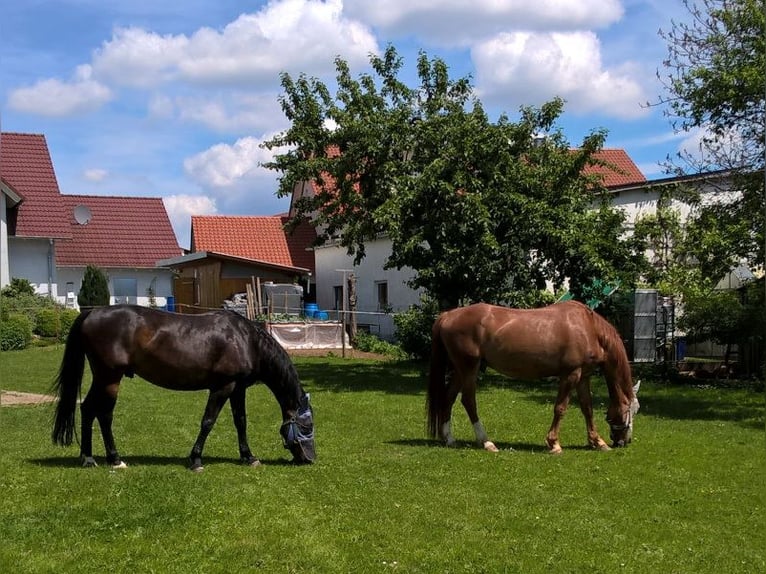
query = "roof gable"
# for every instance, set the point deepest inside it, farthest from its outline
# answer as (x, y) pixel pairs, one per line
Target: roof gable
(26, 167)
(133, 232)
(619, 168)
(259, 238)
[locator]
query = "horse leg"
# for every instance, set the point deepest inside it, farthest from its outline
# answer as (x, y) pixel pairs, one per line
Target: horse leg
(586, 406)
(107, 400)
(87, 416)
(562, 401)
(239, 414)
(453, 389)
(468, 398)
(215, 402)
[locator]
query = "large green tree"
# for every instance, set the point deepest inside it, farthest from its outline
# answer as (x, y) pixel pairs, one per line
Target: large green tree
(715, 81)
(480, 209)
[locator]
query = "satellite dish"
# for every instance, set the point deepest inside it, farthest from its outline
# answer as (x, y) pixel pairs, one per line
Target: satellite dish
(82, 214)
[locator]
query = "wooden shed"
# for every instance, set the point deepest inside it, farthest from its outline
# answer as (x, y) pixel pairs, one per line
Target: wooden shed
(203, 280)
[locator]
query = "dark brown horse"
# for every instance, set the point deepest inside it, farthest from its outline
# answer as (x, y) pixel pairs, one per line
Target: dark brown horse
(566, 340)
(221, 352)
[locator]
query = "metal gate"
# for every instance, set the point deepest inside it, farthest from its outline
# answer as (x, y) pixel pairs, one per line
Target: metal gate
(645, 326)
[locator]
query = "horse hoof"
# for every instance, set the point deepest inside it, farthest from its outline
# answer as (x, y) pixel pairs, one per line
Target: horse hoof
(490, 446)
(88, 462)
(603, 447)
(196, 468)
(555, 449)
(251, 462)
(119, 465)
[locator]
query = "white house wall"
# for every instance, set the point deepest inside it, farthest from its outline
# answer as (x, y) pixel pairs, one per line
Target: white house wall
(160, 280)
(5, 270)
(32, 259)
(368, 274)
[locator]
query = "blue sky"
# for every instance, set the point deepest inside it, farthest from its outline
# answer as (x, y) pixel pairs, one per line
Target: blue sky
(172, 99)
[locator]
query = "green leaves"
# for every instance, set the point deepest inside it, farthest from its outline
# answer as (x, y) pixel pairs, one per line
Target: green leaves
(482, 210)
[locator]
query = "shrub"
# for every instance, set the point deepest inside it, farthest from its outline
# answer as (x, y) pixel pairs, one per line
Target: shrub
(66, 317)
(47, 322)
(413, 328)
(24, 304)
(372, 344)
(94, 291)
(17, 287)
(15, 333)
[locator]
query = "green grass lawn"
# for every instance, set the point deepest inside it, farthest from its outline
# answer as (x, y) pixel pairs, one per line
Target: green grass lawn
(686, 496)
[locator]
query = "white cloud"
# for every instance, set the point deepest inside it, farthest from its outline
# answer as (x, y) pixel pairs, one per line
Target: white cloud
(226, 166)
(530, 68)
(286, 35)
(56, 98)
(233, 113)
(181, 207)
(457, 22)
(161, 106)
(95, 175)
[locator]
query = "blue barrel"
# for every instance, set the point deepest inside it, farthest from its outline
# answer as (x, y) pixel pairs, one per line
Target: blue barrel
(171, 303)
(322, 315)
(311, 310)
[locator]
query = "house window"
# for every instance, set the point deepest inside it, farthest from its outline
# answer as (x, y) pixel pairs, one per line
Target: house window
(381, 288)
(125, 290)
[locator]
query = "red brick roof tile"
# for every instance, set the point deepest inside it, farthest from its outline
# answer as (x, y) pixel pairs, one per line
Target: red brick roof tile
(259, 238)
(620, 169)
(25, 166)
(128, 232)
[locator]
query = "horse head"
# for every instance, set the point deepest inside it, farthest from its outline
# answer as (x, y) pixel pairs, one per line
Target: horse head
(298, 432)
(621, 424)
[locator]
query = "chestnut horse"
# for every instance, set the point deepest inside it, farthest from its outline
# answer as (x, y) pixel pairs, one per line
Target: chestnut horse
(566, 340)
(221, 352)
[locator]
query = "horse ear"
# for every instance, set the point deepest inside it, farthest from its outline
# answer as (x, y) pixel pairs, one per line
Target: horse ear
(636, 387)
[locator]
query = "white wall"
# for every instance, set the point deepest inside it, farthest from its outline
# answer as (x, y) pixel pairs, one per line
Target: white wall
(370, 271)
(5, 272)
(32, 259)
(161, 279)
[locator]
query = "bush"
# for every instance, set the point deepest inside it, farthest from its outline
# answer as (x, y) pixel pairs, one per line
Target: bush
(372, 344)
(47, 322)
(24, 304)
(66, 317)
(17, 287)
(15, 333)
(413, 328)
(94, 291)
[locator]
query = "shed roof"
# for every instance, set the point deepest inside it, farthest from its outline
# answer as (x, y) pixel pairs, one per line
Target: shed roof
(258, 238)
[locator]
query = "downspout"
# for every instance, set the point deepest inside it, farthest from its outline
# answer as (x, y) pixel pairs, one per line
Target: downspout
(50, 268)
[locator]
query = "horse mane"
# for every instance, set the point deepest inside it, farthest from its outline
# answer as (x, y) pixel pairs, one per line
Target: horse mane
(617, 367)
(274, 364)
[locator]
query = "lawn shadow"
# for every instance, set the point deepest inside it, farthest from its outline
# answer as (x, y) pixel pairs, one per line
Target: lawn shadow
(664, 400)
(150, 460)
(394, 377)
(470, 445)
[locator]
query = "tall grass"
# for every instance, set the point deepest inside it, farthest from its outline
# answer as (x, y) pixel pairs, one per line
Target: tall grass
(686, 496)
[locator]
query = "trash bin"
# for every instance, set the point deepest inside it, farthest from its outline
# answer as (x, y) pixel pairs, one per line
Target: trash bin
(171, 304)
(680, 349)
(311, 310)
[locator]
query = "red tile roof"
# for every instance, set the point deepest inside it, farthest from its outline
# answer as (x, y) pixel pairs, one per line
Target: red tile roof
(259, 238)
(26, 167)
(620, 169)
(128, 232)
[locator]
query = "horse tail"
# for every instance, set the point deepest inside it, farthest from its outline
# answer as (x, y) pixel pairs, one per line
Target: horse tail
(436, 396)
(67, 384)
(617, 368)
